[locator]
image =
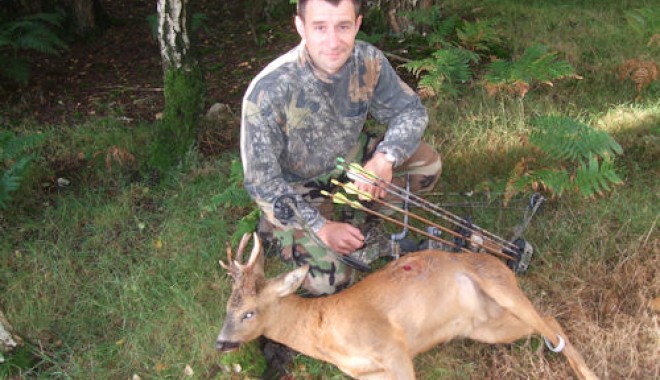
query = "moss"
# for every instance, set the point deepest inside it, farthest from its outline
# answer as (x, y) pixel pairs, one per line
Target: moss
(185, 94)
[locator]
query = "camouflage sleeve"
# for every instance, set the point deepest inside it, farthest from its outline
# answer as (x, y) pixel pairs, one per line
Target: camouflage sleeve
(262, 142)
(396, 105)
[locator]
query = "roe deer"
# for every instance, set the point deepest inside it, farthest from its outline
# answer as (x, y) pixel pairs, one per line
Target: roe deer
(373, 329)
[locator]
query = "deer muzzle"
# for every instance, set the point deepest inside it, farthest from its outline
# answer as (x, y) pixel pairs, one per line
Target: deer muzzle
(226, 346)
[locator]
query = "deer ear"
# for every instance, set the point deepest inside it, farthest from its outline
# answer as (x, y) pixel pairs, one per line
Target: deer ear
(288, 283)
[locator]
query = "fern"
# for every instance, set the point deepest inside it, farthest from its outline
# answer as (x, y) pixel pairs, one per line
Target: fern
(14, 162)
(35, 32)
(594, 177)
(235, 196)
(478, 36)
(443, 32)
(536, 65)
(563, 138)
(444, 71)
(578, 158)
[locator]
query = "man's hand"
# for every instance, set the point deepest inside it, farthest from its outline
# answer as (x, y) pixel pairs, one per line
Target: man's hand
(383, 169)
(341, 237)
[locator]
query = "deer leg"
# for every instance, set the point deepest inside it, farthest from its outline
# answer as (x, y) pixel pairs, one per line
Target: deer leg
(507, 294)
(503, 329)
(574, 357)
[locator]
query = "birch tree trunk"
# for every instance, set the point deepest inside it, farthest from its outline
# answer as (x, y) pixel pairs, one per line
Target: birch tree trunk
(8, 339)
(183, 86)
(393, 8)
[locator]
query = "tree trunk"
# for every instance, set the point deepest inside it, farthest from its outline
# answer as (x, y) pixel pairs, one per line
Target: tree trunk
(83, 17)
(87, 15)
(183, 86)
(8, 339)
(393, 9)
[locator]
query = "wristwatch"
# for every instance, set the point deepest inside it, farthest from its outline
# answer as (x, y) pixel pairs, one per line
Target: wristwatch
(390, 158)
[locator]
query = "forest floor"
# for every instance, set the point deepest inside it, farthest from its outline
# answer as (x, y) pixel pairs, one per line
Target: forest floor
(119, 73)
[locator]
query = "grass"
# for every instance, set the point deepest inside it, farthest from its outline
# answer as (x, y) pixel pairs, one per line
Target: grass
(116, 275)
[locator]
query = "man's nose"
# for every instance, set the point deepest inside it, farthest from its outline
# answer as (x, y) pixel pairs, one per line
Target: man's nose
(333, 38)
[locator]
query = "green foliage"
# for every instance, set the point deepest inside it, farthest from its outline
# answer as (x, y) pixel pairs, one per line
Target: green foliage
(645, 22)
(576, 157)
(566, 139)
(443, 72)
(235, 196)
(16, 362)
(537, 64)
(370, 38)
(34, 32)
(14, 162)
(443, 31)
(185, 92)
(428, 17)
(478, 36)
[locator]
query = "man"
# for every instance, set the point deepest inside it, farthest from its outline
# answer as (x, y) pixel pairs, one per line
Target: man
(307, 108)
(304, 110)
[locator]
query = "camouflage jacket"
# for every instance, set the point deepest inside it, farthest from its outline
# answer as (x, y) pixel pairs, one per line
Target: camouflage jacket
(297, 120)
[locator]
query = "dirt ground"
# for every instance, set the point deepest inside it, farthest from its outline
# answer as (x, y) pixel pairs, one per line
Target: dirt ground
(119, 73)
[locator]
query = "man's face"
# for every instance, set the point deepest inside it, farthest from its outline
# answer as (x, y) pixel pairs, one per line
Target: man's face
(329, 33)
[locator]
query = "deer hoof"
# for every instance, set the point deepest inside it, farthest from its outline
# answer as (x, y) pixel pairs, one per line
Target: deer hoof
(560, 345)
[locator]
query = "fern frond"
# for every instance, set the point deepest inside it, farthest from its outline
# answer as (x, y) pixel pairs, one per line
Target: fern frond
(246, 224)
(478, 36)
(12, 147)
(443, 31)
(536, 65)
(555, 181)
(11, 180)
(234, 195)
(563, 138)
(443, 71)
(593, 178)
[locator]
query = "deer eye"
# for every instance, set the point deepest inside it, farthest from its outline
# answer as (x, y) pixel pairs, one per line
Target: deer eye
(248, 315)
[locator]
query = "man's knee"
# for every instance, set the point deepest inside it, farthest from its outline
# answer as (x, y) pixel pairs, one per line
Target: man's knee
(423, 167)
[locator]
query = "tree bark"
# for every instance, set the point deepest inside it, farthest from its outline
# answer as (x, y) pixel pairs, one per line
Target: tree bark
(173, 33)
(393, 9)
(84, 14)
(8, 339)
(184, 88)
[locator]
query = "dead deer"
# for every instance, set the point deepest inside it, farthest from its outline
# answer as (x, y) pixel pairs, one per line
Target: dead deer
(373, 329)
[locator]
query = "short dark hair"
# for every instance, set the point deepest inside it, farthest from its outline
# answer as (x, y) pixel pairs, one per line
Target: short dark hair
(303, 3)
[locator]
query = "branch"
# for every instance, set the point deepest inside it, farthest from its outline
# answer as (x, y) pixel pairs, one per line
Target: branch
(397, 57)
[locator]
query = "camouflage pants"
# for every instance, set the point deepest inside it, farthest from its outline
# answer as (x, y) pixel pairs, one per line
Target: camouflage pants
(328, 275)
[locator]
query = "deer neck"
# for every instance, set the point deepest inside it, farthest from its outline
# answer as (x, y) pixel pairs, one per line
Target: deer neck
(299, 323)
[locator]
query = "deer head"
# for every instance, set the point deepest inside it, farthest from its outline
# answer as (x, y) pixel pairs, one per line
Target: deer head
(252, 296)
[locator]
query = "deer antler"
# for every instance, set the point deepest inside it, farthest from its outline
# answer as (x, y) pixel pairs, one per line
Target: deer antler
(234, 267)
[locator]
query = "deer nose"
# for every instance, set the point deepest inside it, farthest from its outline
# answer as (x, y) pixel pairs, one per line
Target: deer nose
(226, 346)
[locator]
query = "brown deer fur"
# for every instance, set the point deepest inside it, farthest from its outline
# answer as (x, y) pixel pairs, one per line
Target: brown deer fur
(373, 329)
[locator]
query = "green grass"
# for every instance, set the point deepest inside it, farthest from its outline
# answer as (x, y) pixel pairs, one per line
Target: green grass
(116, 275)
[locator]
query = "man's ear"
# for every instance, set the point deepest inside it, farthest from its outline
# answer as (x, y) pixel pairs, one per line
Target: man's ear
(358, 22)
(300, 27)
